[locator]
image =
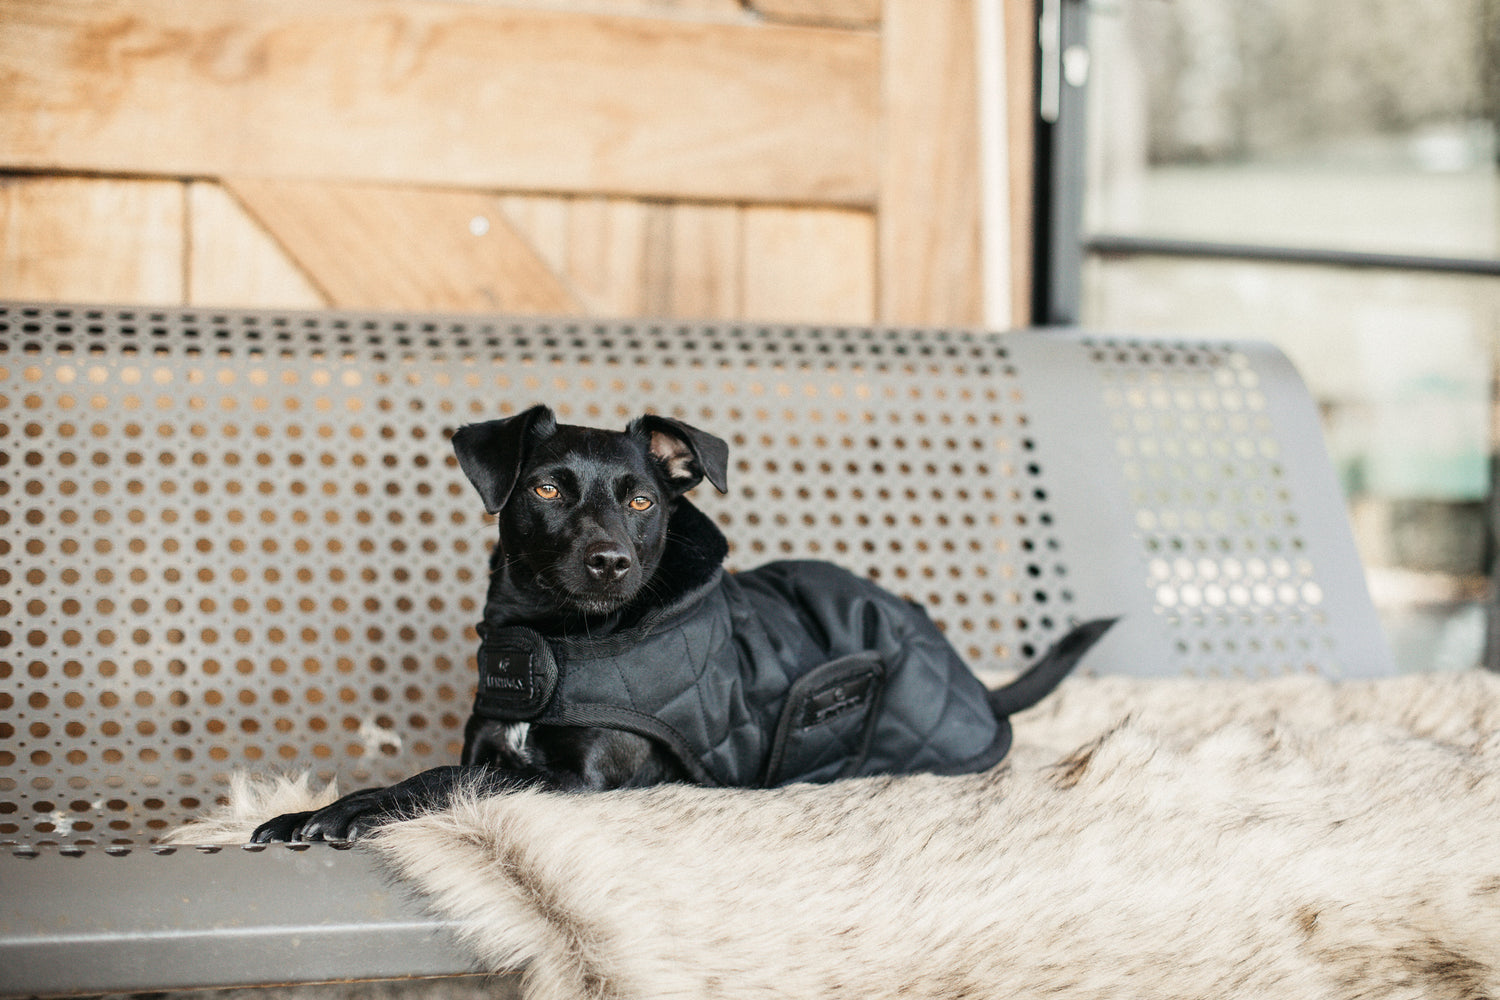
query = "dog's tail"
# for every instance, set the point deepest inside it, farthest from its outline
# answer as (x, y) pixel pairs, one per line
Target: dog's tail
(1045, 674)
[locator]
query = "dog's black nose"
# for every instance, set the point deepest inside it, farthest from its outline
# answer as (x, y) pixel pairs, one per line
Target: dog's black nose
(606, 561)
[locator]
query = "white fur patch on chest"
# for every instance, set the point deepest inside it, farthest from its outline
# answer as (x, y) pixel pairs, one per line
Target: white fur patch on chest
(517, 739)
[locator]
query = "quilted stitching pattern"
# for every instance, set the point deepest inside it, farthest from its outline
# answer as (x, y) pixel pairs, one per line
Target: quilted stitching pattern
(719, 674)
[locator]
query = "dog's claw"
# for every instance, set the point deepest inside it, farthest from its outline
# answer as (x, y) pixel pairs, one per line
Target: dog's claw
(286, 828)
(345, 820)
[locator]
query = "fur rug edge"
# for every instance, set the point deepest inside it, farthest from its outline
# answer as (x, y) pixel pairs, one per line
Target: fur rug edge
(1160, 839)
(252, 799)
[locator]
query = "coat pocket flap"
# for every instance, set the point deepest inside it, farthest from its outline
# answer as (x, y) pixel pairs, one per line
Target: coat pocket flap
(825, 726)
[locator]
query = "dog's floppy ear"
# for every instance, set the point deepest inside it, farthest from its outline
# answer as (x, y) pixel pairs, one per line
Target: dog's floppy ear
(687, 454)
(491, 453)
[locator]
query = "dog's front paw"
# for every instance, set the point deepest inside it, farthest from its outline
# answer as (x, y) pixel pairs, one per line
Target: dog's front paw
(350, 818)
(360, 813)
(286, 828)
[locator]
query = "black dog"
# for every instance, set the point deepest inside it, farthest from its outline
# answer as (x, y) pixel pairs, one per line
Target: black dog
(617, 653)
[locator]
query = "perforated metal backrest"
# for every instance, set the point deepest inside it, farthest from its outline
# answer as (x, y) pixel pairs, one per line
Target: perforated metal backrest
(238, 540)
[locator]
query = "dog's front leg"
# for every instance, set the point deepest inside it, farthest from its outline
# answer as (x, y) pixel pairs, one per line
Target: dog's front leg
(358, 813)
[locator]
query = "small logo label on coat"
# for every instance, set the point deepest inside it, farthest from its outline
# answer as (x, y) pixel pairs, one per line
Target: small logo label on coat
(508, 673)
(516, 676)
(836, 700)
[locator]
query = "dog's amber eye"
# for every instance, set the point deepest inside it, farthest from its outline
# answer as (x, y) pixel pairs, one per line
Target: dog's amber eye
(546, 491)
(641, 503)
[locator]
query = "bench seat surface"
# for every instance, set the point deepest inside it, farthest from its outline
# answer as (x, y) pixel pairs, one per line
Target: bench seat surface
(237, 540)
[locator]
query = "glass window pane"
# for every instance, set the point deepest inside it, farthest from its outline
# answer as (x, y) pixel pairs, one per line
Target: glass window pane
(1365, 125)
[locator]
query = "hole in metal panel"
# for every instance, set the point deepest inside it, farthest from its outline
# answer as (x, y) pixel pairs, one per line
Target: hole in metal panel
(1226, 560)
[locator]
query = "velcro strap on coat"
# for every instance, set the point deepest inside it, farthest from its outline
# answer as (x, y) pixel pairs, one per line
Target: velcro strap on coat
(517, 674)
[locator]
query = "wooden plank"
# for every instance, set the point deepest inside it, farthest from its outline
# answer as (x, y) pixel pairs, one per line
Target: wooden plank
(91, 240)
(543, 221)
(994, 162)
(440, 93)
(833, 13)
(633, 258)
(694, 261)
(806, 265)
(705, 263)
(607, 252)
(232, 262)
(728, 10)
(1020, 91)
(930, 204)
(375, 247)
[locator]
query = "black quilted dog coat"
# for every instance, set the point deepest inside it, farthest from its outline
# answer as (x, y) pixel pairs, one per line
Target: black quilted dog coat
(795, 671)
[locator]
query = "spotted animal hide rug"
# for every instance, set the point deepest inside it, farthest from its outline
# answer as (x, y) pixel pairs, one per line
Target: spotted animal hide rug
(1290, 838)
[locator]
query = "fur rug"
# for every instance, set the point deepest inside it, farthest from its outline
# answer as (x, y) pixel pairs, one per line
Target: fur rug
(1163, 838)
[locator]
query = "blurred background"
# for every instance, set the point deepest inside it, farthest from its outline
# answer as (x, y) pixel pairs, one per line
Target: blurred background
(1326, 176)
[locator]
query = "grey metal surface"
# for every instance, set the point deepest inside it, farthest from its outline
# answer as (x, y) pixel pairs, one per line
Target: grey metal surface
(145, 921)
(238, 541)
(1195, 497)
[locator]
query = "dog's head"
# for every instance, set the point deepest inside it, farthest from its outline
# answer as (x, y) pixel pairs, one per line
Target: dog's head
(583, 512)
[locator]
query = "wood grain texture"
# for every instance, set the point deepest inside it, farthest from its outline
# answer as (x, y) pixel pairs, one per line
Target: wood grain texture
(707, 261)
(233, 262)
(633, 258)
(728, 10)
(809, 266)
(930, 200)
(598, 247)
(375, 247)
(440, 94)
(835, 13)
(694, 261)
(91, 240)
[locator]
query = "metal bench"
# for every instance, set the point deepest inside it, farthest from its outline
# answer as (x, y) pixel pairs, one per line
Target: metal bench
(235, 540)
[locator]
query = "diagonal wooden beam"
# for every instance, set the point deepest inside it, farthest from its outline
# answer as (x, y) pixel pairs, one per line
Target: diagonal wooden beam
(233, 262)
(834, 13)
(378, 247)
